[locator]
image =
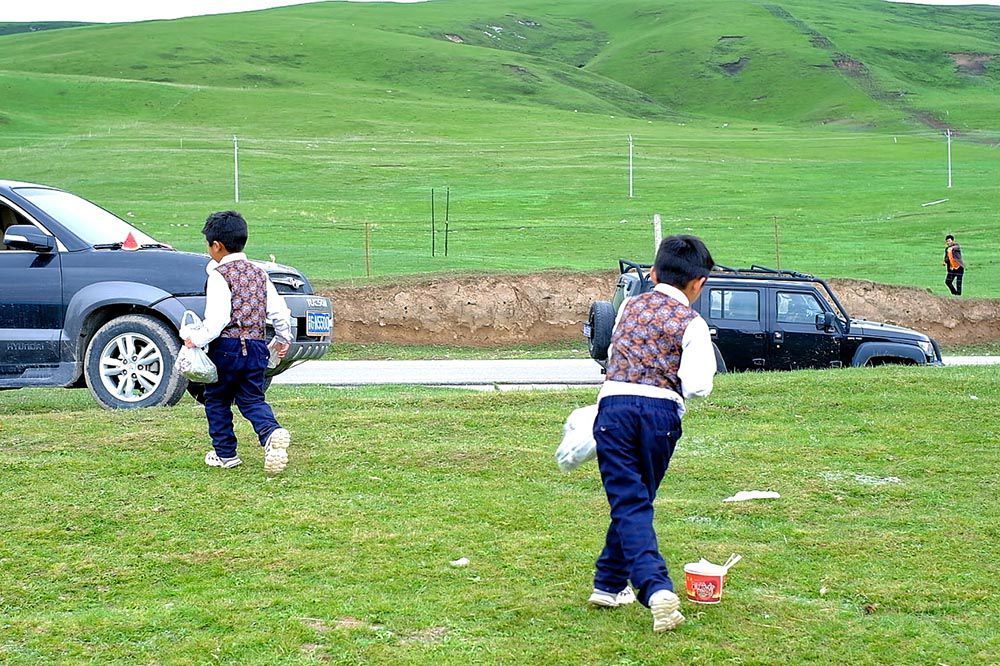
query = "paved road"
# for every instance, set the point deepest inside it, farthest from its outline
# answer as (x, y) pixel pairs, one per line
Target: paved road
(524, 374)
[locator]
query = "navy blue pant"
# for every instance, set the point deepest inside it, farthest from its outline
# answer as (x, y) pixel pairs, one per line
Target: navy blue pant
(241, 365)
(635, 438)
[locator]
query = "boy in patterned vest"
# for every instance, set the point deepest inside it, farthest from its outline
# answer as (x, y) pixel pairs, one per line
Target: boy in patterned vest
(240, 302)
(661, 353)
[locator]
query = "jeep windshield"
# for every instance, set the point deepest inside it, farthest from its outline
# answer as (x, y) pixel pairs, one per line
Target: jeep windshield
(88, 222)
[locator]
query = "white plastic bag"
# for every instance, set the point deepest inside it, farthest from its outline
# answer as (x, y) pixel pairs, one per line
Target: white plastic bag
(193, 362)
(578, 445)
(190, 324)
(272, 354)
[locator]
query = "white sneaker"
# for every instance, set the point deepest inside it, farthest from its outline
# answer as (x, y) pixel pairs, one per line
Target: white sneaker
(276, 451)
(213, 460)
(665, 606)
(612, 600)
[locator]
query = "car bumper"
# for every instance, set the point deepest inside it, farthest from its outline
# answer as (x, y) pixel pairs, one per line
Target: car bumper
(304, 346)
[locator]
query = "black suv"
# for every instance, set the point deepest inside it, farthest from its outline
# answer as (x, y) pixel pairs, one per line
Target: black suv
(86, 299)
(766, 319)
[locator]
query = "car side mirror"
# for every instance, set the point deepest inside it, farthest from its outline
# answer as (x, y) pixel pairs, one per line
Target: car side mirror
(824, 321)
(28, 237)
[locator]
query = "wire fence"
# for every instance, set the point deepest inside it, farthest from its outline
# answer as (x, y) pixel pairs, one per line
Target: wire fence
(517, 203)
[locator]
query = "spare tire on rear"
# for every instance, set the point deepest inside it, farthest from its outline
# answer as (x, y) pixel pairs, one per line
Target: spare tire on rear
(602, 324)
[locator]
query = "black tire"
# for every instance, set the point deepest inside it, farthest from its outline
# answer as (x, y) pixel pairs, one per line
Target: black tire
(147, 378)
(720, 363)
(602, 324)
(878, 361)
(197, 391)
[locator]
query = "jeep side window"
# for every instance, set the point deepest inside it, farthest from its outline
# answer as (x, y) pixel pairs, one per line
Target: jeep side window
(734, 304)
(797, 307)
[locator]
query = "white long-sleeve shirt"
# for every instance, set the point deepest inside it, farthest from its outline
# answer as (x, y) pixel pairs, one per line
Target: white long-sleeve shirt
(697, 368)
(219, 306)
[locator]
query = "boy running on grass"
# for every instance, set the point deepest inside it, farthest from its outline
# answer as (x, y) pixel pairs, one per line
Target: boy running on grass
(661, 353)
(240, 302)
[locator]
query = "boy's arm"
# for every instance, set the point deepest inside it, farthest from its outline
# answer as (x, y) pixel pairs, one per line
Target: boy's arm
(218, 310)
(278, 314)
(697, 360)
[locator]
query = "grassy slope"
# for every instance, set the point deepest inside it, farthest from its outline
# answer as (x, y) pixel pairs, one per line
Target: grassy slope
(119, 546)
(919, 65)
(351, 113)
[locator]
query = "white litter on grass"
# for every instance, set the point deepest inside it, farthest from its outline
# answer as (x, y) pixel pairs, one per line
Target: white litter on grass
(866, 480)
(863, 479)
(746, 495)
(460, 562)
(973, 397)
(699, 520)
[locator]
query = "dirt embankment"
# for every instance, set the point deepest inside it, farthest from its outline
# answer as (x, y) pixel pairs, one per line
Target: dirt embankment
(955, 321)
(544, 307)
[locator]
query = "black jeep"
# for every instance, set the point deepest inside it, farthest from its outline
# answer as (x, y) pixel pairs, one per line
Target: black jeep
(766, 319)
(86, 299)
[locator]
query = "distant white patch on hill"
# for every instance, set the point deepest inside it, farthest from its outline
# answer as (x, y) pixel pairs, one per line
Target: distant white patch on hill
(125, 11)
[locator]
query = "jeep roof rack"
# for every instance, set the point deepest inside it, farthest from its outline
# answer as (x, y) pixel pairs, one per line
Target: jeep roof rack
(756, 272)
(765, 272)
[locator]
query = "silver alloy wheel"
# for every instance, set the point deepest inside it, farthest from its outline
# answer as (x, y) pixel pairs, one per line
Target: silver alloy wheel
(131, 367)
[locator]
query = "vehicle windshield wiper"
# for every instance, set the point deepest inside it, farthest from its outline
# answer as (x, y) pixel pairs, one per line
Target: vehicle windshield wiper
(162, 246)
(108, 246)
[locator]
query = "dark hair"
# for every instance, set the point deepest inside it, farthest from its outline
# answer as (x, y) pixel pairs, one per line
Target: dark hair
(949, 237)
(681, 259)
(228, 227)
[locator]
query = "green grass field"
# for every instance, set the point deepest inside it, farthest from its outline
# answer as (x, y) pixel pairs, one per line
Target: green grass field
(348, 114)
(121, 547)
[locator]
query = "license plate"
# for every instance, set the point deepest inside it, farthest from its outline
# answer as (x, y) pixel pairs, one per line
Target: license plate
(317, 323)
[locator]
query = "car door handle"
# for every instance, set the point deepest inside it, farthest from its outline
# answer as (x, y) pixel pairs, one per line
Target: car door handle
(713, 332)
(778, 335)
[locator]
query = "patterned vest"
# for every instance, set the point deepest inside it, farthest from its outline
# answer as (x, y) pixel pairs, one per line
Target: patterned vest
(248, 284)
(646, 345)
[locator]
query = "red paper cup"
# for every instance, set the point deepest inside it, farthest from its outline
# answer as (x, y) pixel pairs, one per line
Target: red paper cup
(704, 584)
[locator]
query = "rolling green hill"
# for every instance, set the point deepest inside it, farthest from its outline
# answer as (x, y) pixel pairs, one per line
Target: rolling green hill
(822, 116)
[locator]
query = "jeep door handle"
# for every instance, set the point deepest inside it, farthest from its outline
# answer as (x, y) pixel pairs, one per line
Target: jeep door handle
(714, 332)
(779, 336)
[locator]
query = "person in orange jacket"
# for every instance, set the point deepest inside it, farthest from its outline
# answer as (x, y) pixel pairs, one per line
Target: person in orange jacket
(953, 262)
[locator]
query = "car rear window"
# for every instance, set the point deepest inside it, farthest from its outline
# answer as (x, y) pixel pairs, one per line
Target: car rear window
(734, 304)
(88, 222)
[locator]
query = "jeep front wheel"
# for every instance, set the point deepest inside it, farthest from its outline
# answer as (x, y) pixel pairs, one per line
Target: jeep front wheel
(130, 364)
